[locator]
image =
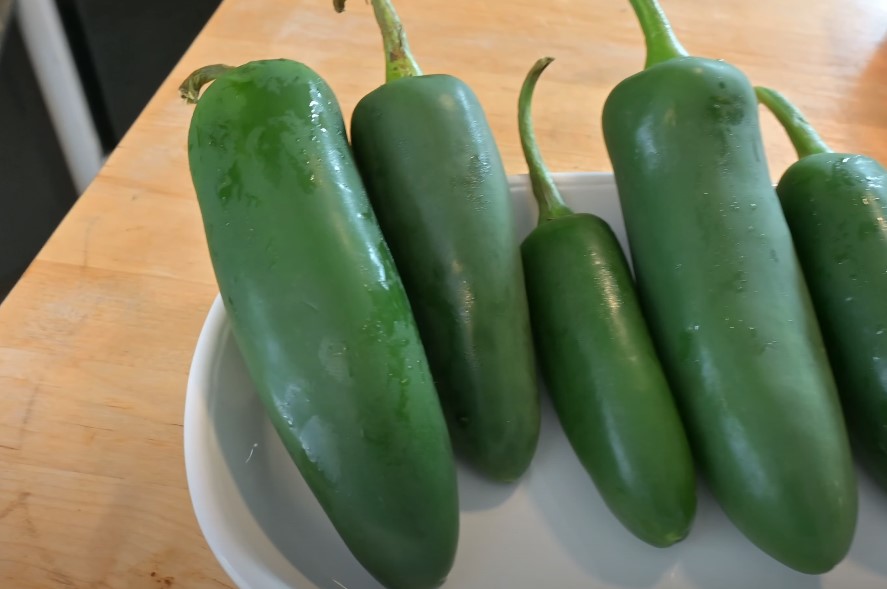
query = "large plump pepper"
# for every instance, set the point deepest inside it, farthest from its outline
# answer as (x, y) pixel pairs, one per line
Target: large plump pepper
(727, 303)
(321, 317)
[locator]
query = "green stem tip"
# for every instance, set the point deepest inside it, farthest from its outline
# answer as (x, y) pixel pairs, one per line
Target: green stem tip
(551, 203)
(662, 44)
(399, 61)
(802, 134)
(190, 88)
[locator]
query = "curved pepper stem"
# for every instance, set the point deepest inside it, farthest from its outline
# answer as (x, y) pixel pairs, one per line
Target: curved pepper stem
(551, 203)
(399, 61)
(190, 88)
(802, 134)
(662, 44)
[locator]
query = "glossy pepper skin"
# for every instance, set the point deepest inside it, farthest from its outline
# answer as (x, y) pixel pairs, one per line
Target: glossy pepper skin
(436, 181)
(598, 360)
(836, 208)
(321, 317)
(727, 303)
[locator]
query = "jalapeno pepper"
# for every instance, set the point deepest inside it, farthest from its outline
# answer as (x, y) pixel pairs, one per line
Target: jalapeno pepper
(598, 360)
(836, 208)
(321, 317)
(436, 181)
(726, 301)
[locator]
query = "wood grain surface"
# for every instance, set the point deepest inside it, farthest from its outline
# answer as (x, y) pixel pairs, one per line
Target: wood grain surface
(96, 340)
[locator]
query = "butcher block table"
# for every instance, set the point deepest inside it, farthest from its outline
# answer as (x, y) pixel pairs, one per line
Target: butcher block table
(96, 339)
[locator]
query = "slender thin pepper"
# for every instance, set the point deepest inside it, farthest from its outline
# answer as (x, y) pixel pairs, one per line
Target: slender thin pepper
(836, 208)
(598, 360)
(437, 184)
(726, 301)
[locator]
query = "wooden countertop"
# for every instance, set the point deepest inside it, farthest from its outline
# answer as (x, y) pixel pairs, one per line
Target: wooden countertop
(96, 340)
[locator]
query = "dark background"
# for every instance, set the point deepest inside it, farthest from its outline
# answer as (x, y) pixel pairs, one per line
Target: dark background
(123, 51)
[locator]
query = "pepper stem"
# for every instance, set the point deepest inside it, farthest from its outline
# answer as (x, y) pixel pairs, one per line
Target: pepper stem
(548, 197)
(662, 44)
(190, 88)
(802, 134)
(399, 61)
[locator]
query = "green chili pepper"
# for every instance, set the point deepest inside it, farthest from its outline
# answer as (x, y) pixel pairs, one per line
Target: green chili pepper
(321, 317)
(726, 301)
(436, 181)
(836, 208)
(598, 360)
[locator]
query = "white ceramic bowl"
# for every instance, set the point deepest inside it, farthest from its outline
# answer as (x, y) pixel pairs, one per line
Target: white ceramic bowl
(549, 530)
